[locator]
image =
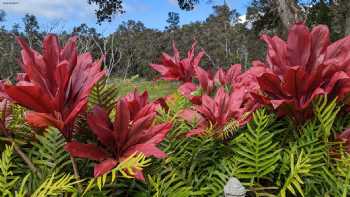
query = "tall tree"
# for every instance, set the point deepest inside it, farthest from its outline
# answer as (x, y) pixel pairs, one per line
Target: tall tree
(221, 35)
(173, 21)
(289, 12)
(106, 9)
(263, 16)
(31, 28)
(187, 4)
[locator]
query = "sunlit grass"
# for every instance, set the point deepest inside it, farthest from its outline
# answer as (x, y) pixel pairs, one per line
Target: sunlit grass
(155, 89)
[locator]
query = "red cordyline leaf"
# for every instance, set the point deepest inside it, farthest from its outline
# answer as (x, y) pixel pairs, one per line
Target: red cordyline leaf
(219, 111)
(231, 79)
(55, 84)
(132, 131)
(227, 77)
(305, 66)
(235, 104)
(174, 68)
(208, 82)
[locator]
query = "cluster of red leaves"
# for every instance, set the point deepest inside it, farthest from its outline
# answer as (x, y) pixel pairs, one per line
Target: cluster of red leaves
(55, 84)
(175, 68)
(219, 97)
(235, 104)
(305, 66)
(133, 130)
(208, 82)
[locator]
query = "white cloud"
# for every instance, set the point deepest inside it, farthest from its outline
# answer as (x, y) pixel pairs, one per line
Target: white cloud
(242, 19)
(51, 9)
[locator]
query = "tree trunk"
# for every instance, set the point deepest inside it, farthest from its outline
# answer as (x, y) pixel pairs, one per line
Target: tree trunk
(289, 12)
(347, 19)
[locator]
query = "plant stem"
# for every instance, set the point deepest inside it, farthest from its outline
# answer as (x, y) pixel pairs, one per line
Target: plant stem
(26, 160)
(75, 167)
(76, 171)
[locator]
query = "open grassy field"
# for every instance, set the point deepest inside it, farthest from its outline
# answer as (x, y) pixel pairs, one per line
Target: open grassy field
(155, 89)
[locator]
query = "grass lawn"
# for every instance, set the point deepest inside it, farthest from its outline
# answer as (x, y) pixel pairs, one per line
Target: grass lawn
(155, 89)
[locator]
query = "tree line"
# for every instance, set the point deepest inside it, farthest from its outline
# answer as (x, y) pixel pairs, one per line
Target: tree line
(225, 38)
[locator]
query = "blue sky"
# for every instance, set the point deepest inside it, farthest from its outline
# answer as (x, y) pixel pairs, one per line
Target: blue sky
(58, 15)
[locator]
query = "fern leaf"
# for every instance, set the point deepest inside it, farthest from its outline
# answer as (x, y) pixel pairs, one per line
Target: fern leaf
(7, 179)
(55, 185)
(48, 152)
(257, 154)
(299, 167)
(171, 186)
(326, 113)
(104, 95)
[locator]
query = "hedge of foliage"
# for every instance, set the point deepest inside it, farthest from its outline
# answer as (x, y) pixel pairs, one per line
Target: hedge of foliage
(280, 127)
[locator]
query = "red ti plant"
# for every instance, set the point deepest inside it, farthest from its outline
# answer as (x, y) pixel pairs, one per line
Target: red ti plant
(217, 112)
(55, 84)
(133, 130)
(305, 66)
(174, 68)
(193, 91)
(208, 82)
(233, 106)
(227, 77)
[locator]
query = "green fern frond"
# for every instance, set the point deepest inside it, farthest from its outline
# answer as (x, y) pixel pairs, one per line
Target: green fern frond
(175, 105)
(219, 175)
(22, 189)
(7, 179)
(104, 95)
(299, 167)
(56, 185)
(171, 186)
(48, 151)
(256, 152)
(326, 112)
(313, 145)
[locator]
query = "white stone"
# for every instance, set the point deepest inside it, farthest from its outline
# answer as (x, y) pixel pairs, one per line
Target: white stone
(234, 188)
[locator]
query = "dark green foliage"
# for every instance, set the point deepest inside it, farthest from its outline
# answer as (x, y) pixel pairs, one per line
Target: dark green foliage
(107, 8)
(187, 4)
(173, 21)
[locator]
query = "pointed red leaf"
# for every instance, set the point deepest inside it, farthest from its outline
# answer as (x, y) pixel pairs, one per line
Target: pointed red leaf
(101, 126)
(298, 45)
(104, 167)
(146, 149)
(31, 97)
(42, 120)
(121, 124)
(89, 151)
